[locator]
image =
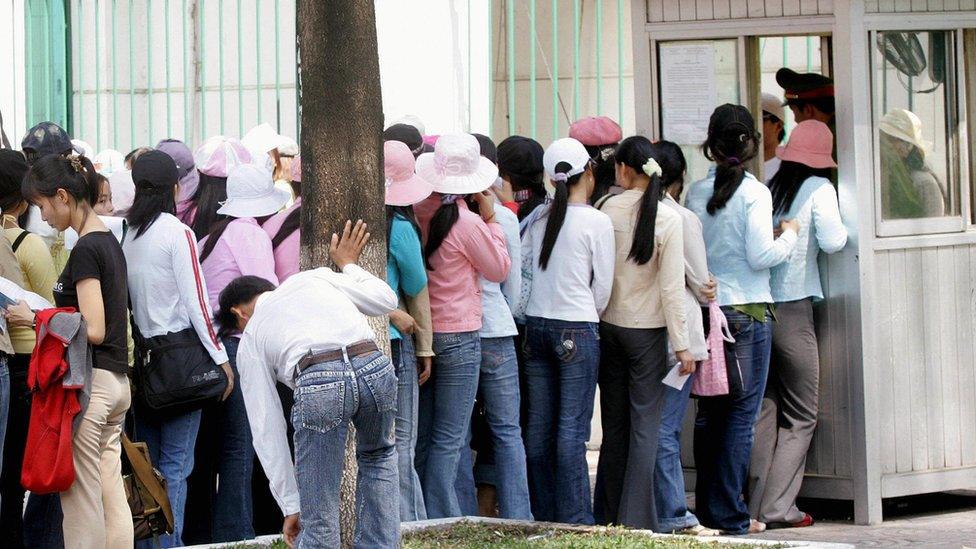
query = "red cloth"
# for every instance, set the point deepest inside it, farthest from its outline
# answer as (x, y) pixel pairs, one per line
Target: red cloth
(48, 463)
(514, 206)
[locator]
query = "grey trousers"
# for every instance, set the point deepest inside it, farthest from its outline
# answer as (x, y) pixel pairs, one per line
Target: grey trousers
(633, 362)
(788, 416)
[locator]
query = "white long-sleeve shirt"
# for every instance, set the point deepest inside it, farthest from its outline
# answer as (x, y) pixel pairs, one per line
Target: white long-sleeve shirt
(317, 310)
(577, 282)
(166, 284)
(497, 299)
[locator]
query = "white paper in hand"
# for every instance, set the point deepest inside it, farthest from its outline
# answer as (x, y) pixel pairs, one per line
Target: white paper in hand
(16, 293)
(675, 378)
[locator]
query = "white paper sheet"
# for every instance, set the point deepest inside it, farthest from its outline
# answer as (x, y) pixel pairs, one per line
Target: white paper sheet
(16, 293)
(688, 91)
(675, 379)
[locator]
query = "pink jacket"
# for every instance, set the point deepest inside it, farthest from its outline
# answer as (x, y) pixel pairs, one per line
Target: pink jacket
(243, 249)
(472, 248)
(286, 255)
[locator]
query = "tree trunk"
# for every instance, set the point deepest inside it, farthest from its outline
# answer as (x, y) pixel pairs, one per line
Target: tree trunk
(342, 164)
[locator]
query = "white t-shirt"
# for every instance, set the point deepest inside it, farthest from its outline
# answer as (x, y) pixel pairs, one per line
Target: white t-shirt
(576, 284)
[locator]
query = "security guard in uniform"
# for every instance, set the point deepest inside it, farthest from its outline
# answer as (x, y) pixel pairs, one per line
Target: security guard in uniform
(811, 97)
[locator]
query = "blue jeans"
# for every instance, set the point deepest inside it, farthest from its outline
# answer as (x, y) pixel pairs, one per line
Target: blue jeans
(235, 463)
(328, 395)
(408, 397)
(446, 401)
(669, 480)
(171, 442)
(498, 388)
(4, 404)
(561, 363)
(724, 430)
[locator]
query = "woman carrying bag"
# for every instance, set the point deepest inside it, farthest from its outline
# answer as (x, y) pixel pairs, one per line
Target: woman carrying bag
(169, 302)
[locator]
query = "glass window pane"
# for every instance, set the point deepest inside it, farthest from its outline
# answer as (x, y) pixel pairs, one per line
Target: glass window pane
(688, 99)
(914, 79)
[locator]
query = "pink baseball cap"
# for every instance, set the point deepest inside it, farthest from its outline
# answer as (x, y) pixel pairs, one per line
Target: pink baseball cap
(403, 186)
(811, 144)
(296, 168)
(594, 131)
(219, 155)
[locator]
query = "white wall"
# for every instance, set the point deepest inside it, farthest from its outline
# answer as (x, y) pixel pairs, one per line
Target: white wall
(13, 102)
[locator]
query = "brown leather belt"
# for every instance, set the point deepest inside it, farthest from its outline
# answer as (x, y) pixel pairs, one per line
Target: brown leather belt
(356, 349)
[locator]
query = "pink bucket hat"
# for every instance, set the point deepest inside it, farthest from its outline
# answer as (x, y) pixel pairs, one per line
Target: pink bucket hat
(403, 186)
(219, 155)
(810, 144)
(594, 131)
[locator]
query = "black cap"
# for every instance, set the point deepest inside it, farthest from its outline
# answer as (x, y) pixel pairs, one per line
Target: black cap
(405, 133)
(520, 155)
(155, 169)
(488, 149)
(13, 167)
(804, 86)
(47, 138)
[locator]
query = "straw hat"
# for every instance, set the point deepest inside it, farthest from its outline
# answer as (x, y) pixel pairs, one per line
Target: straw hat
(907, 126)
(456, 166)
(251, 192)
(403, 186)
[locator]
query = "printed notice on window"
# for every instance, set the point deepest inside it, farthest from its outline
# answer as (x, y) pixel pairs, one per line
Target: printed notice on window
(688, 94)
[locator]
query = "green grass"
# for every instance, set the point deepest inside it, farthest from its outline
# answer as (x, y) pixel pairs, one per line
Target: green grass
(467, 535)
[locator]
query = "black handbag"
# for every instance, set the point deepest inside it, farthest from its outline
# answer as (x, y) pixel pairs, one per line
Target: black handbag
(175, 374)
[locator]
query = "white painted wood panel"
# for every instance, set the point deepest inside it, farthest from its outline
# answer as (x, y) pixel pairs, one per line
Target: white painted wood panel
(688, 10)
(756, 8)
(808, 7)
(739, 8)
(885, 362)
(915, 354)
(948, 322)
(931, 326)
(721, 9)
(965, 267)
(825, 7)
(967, 4)
(900, 371)
(655, 11)
(903, 5)
(672, 10)
(935, 5)
(920, 5)
(774, 8)
(791, 7)
(704, 8)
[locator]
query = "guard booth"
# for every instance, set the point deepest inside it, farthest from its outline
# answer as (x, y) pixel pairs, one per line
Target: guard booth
(898, 324)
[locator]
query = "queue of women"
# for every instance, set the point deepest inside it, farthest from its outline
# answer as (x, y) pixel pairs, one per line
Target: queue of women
(527, 278)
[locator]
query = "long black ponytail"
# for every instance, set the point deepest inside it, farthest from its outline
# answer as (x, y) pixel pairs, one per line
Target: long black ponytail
(785, 185)
(732, 142)
(634, 152)
(73, 173)
(440, 225)
(557, 210)
(673, 165)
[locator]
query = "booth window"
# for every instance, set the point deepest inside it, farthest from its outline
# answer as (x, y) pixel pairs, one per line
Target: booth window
(918, 187)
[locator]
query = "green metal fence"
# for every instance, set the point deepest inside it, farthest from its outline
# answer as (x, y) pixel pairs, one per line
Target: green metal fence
(144, 70)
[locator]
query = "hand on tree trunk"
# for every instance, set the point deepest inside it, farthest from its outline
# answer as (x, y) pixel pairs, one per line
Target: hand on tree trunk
(347, 248)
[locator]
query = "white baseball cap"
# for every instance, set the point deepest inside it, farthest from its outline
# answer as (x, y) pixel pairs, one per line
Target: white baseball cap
(251, 192)
(774, 106)
(566, 150)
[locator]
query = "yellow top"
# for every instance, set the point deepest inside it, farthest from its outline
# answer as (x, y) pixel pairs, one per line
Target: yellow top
(37, 267)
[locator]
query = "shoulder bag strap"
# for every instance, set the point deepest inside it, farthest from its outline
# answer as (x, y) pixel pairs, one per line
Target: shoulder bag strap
(143, 471)
(19, 240)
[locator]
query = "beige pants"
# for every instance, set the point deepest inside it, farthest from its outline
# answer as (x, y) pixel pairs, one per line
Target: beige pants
(96, 513)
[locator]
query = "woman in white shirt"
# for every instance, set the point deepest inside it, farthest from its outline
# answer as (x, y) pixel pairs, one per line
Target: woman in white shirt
(646, 306)
(168, 295)
(802, 191)
(571, 247)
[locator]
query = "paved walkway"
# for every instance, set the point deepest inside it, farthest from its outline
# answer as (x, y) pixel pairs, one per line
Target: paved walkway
(938, 521)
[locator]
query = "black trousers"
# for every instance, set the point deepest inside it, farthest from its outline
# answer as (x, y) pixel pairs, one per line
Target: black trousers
(633, 365)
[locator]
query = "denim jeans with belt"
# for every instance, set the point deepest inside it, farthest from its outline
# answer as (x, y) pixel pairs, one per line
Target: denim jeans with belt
(408, 397)
(561, 363)
(724, 430)
(669, 480)
(171, 443)
(498, 389)
(328, 395)
(446, 401)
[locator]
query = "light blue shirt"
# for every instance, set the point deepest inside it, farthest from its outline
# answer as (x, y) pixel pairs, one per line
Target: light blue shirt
(497, 299)
(739, 240)
(821, 228)
(405, 270)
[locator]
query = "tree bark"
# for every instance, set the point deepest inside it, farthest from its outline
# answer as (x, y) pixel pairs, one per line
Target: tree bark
(342, 164)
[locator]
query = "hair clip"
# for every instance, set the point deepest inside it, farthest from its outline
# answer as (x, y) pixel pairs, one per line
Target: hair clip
(733, 160)
(560, 177)
(76, 164)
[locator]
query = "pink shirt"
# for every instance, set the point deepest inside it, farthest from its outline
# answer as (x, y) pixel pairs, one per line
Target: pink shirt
(472, 248)
(243, 249)
(286, 255)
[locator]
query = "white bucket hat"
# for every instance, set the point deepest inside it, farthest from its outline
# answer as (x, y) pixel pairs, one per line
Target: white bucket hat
(566, 150)
(456, 166)
(251, 192)
(907, 126)
(260, 140)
